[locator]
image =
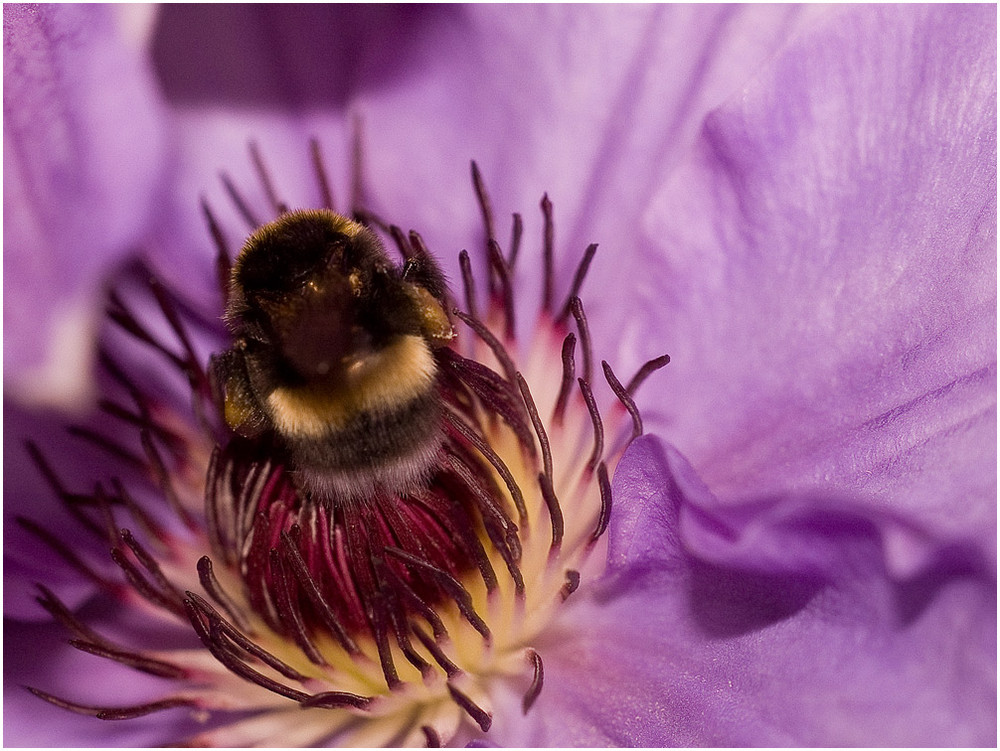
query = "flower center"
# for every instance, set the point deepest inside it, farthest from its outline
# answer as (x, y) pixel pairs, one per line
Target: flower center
(366, 563)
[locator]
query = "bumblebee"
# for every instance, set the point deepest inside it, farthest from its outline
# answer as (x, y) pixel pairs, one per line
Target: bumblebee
(334, 354)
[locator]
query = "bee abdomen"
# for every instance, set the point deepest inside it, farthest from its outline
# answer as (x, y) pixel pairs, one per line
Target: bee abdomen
(373, 452)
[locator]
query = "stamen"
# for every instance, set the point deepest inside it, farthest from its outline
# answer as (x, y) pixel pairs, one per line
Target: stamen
(516, 230)
(289, 612)
(431, 736)
(569, 371)
(319, 168)
(308, 583)
(265, 179)
(644, 372)
(499, 351)
(114, 713)
(535, 689)
(213, 639)
(136, 661)
(206, 575)
(468, 283)
(555, 512)
(238, 202)
(483, 718)
(506, 292)
(58, 547)
(547, 258)
(494, 459)
(239, 639)
(536, 422)
(163, 479)
(449, 667)
(576, 306)
(624, 398)
(571, 585)
(402, 243)
(108, 445)
(336, 700)
(168, 594)
(484, 202)
(581, 274)
(605, 515)
(458, 593)
(223, 258)
(595, 417)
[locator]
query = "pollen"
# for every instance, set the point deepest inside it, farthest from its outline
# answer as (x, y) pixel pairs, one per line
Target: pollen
(308, 614)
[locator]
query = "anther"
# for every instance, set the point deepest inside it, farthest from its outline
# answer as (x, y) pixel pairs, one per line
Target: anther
(568, 373)
(431, 737)
(538, 677)
(516, 230)
(644, 372)
(114, 713)
(484, 202)
(206, 575)
(468, 283)
(496, 347)
(265, 180)
(458, 593)
(604, 517)
(336, 700)
(483, 718)
(289, 611)
(506, 291)
(555, 512)
(595, 418)
(223, 258)
(319, 168)
(238, 201)
(571, 584)
(624, 398)
(536, 422)
(576, 307)
(581, 274)
(308, 583)
(547, 253)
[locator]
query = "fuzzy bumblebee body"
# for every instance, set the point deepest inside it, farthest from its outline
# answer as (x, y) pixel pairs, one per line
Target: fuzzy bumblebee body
(333, 352)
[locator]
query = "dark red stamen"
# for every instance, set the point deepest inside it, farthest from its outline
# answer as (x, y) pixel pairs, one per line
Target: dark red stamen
(206, 575)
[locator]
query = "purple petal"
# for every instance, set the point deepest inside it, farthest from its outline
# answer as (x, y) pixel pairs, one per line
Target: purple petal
(83, 151)
(791, 630)
(823, 271)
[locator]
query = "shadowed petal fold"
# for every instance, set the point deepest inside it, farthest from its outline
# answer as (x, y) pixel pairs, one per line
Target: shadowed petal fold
(776, 623)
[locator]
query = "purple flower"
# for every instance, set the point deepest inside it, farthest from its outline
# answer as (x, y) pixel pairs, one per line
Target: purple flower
(799, 205)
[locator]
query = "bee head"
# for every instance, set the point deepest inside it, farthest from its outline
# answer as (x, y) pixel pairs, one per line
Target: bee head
(319, 291)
